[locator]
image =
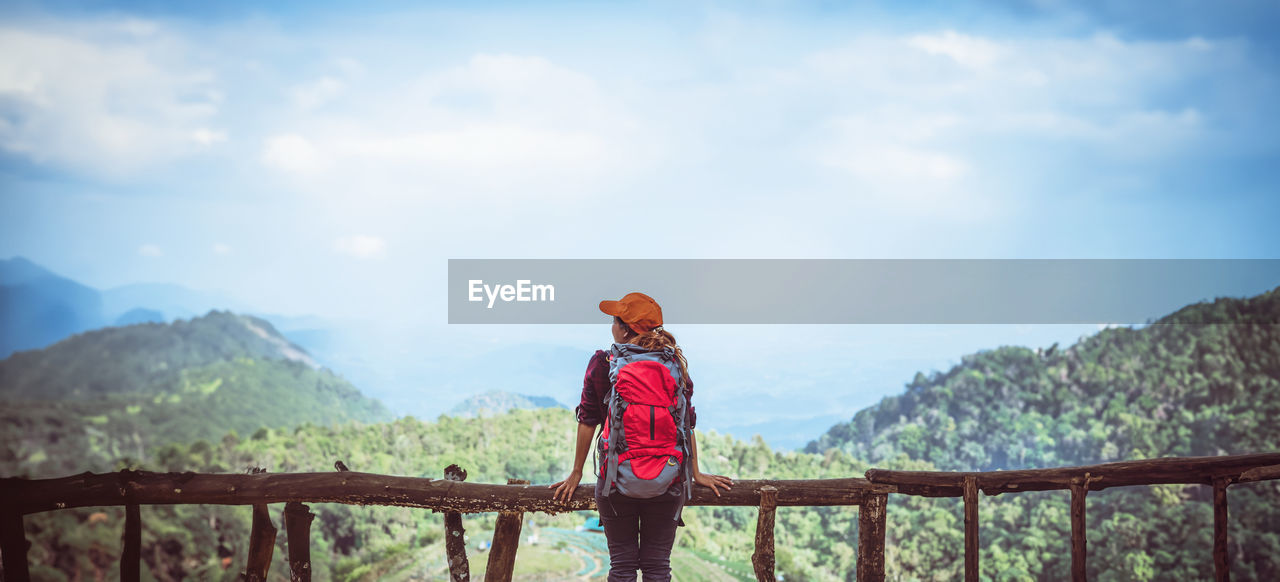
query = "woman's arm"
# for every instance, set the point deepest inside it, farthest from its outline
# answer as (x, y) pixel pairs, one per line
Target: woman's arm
(705, 479)
(589, 415)
(564, 489)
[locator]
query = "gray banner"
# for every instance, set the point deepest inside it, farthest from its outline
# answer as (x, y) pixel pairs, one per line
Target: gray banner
(808, 291)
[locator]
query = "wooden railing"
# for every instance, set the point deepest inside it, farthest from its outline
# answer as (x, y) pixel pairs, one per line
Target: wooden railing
(1218, 472)
(453, 496)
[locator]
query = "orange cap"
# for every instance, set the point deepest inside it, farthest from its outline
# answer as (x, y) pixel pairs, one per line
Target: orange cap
(637, 310)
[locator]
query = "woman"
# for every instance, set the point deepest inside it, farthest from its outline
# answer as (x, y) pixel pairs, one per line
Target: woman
(640, 532)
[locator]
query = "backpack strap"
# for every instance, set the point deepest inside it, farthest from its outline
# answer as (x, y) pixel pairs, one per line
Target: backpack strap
(610, 462)
(614, 443)
(688, 457)
(595, 451)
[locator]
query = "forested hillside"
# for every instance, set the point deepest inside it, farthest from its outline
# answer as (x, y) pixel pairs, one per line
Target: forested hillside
(1165, 389)
(96, 397)
(144, 358)
(1181, 388)
(1176, 387)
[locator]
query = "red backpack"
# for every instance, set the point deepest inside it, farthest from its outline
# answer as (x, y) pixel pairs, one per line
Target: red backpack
(645, 440)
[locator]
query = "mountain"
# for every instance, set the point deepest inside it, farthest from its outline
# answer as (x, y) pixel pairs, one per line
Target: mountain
(416, 373)
(139, 315)
(497, 402)
(19, 270)
(143, 358)
(1178, 387)
(784, 434)
(117, 392)
(38, 307)
(174, 301)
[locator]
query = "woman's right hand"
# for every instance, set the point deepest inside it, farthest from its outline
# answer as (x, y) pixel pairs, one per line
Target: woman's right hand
(564, 489)
(713, 481)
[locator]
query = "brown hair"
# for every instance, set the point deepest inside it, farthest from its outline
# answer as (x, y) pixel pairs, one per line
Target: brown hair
(656, 339)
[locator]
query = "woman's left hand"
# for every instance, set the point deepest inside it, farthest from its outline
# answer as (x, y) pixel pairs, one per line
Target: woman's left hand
(713, 481)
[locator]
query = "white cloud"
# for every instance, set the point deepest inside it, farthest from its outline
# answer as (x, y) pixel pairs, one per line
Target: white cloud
(939, 117)
(150, 250)
(476, 148)
(1199, 44)
(107, 97)
(925, 124)
(966, 50)
(514, 125)
(207, 137)
(361, 246)
(291, 153)
(1089, 88)
(349, 67)
(892, 164)
(318, 92)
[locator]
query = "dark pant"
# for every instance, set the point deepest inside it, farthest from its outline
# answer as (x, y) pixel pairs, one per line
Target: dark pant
(640, 534)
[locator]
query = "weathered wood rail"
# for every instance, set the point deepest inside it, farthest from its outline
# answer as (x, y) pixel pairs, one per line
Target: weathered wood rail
(453, 496)
(353, 488)
(1217, 472)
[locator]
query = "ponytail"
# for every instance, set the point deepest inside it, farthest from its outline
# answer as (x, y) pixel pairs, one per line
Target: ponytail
(657, 339)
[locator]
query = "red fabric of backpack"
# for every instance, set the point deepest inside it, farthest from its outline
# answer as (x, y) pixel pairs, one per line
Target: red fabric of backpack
(645, 440)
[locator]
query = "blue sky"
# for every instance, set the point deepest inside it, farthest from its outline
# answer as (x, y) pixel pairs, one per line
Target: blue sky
(328, 158)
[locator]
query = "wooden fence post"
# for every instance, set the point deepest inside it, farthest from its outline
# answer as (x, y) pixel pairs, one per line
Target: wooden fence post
(1221, 568)
(871, 530)
(13, 544)
(506, 540)
(297, 527)
(1079, 545)
(262, 544)
(455, 544)
(763, 560)
(971, 528)
(130, 557)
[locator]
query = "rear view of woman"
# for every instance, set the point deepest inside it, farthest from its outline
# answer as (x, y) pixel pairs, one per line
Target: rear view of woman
(641, 527)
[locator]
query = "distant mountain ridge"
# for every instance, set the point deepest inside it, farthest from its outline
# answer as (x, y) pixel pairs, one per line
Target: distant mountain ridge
(141, 358)
(786, 434)
(119, 391)
(497, 402)
(39, 307)
(174, 301)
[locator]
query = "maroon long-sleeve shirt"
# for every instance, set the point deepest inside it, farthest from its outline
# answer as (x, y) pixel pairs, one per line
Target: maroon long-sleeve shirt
(593, 409)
